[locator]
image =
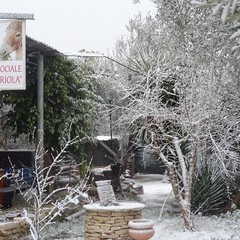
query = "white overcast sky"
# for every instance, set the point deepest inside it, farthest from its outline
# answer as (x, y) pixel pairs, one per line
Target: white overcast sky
(72, 25)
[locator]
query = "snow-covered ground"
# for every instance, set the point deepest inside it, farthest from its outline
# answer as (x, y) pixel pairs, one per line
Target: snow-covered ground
(170, 227)
(206, 228)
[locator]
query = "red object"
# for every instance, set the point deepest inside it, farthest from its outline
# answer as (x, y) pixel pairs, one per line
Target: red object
(1, 186)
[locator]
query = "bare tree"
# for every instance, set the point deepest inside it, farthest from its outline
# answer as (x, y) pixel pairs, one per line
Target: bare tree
(46, 206)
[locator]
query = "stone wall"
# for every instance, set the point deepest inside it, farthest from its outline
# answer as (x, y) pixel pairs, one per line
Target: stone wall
(14, 230)
(110, 223)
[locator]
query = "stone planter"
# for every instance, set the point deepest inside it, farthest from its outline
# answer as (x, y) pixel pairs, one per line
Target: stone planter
(17, 228)
(110, 222)
(141, 229)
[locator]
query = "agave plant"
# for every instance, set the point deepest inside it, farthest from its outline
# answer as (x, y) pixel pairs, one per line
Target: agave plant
(210, 193)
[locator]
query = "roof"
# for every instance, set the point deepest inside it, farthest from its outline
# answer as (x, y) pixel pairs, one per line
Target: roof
(27, 16)
(35, 47)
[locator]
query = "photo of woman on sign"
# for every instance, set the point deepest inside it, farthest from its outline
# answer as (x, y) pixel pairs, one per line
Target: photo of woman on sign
(11, 41)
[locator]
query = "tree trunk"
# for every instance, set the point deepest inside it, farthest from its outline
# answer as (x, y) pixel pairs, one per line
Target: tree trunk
(182, 194)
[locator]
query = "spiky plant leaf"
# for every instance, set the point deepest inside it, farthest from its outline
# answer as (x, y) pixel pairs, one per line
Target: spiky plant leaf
(209, 193)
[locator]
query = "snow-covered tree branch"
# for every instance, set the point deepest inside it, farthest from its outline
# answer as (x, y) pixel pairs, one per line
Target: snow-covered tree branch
(183, 102)
(45, 200)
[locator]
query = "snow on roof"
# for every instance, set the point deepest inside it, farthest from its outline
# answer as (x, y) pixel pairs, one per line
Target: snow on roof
(34, 46)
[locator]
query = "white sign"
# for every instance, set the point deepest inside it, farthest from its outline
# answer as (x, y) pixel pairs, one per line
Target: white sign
(12, 55)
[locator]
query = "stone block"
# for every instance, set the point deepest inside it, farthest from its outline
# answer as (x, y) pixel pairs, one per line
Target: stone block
(113, 228)
(118, 213)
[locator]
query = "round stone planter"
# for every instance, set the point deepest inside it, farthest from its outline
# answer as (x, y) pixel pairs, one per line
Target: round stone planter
(110, 222)
(141, 229)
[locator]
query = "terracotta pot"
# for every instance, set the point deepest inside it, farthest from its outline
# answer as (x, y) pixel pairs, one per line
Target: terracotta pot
(10, 216)
(141, 229)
